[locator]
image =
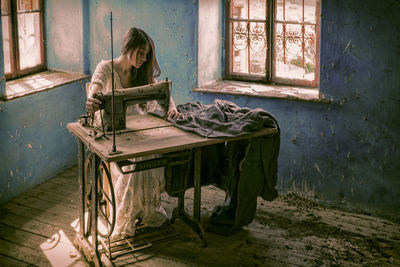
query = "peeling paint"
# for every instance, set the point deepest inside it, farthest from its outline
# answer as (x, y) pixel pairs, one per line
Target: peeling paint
(23, 124)
(319, 170)
(347, 47)
(357, 94)
(351, 65)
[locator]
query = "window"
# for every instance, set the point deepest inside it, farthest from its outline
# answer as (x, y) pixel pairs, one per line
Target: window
(23, 45)
(273, 41)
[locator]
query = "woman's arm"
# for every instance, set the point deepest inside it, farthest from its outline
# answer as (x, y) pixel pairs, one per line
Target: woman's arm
(99, 80)
(93, 104)
(172, 111)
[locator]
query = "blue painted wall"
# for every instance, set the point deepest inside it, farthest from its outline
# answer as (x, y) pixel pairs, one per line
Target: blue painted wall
(34, 142)
(2, 78)
(64, 35)
(33, 127)
(172, 24)
(346, 153)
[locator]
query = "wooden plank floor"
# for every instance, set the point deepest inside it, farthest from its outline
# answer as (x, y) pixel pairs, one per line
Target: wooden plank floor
(37, 229)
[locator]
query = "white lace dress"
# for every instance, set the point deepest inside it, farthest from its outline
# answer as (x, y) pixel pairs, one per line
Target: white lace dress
(138, 195)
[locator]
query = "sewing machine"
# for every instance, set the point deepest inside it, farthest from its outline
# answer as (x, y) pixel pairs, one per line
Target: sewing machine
(159, 91)
(145, 135)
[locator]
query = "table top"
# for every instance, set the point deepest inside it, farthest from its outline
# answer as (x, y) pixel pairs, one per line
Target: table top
(147, 135)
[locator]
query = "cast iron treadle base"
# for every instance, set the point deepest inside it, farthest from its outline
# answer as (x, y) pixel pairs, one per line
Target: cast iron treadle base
(142, 239)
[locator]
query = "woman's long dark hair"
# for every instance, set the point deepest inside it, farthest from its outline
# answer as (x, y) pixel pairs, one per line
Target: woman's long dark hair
(136, 38)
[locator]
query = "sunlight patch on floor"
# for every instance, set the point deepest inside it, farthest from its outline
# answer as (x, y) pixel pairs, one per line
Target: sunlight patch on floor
(59, 250)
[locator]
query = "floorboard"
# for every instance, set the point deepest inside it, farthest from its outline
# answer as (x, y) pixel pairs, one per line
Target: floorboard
(37, 229)
(6, 260)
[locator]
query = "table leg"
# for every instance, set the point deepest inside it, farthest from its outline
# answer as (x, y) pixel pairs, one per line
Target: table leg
(179, 211)
(197, 184)
(81, 183)
(81, 238)
(94, 206)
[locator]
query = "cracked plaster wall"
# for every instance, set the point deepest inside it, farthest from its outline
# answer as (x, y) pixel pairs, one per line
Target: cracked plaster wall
(346, 153)
(34, 142)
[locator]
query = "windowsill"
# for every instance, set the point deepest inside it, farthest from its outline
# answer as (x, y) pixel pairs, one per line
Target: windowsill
(39, 82)
(263, 90)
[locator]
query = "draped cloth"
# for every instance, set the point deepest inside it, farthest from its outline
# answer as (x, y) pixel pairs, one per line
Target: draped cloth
(245, 169)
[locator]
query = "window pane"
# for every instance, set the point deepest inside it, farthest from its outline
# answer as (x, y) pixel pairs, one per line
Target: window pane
(5, 7)
(29, 39)
(257, 9)
(248, 9)
(295, 43)
(310, 7)
(289, 10)
(248, 38)
(7, 48)
(239, 47)
(27, 5)
(258, 48)
(239, 9)
(249, 47)
(293, 10)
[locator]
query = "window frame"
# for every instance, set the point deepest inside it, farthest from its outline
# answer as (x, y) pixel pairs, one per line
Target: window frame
(271, 6)
(16, 72)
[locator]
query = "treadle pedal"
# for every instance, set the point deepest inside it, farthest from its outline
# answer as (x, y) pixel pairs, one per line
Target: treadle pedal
(153, 234)
(125, 246)
(141, 240)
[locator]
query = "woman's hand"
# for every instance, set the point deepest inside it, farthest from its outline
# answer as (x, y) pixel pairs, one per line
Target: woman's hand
(92, 104)
(174, 114)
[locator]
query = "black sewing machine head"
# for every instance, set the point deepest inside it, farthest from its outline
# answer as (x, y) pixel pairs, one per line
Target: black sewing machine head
(159, 91)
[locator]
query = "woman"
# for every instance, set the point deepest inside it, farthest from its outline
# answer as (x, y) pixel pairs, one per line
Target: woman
(138, 195)
(137, 65)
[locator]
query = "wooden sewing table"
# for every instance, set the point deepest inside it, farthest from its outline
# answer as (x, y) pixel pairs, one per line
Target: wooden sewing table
(145, 135)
